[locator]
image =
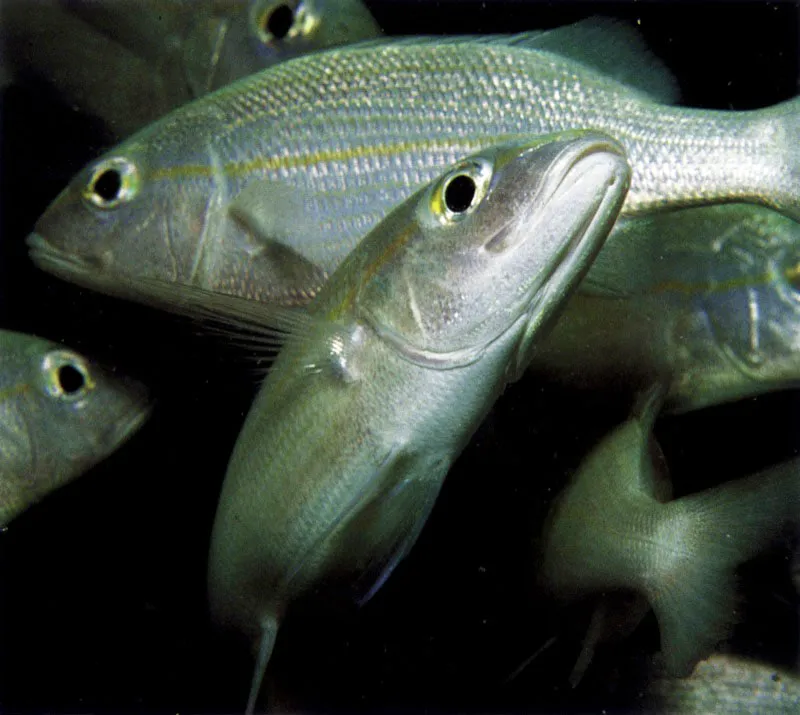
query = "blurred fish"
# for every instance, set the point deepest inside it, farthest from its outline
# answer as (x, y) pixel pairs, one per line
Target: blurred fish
(728, 684)
(395, 364)
(608, 531)
(260, 189)
(240, 38)
(711, 308)
(59, 415)
(131, 61)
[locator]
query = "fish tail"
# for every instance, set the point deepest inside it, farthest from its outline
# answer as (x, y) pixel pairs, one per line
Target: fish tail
(781, 123)
(708, 535)
(269, 631)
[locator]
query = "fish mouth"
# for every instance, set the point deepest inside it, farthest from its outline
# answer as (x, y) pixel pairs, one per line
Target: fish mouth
(124, 430)
(61, 264)
(582, 166)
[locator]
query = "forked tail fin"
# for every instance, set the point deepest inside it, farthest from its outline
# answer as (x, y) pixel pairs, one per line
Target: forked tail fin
(269, 631)
(706, 536)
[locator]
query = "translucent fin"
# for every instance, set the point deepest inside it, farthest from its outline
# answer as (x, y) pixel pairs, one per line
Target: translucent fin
(269, 631)
(380, 481)
(263, 327)
(400, 515)
(614, 49)
(709, 534)
(616, 616)
(277, 213)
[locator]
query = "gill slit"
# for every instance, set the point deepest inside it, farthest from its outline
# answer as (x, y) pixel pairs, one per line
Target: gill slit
(214, 201)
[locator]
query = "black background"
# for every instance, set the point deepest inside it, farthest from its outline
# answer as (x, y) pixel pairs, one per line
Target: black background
(103, 584)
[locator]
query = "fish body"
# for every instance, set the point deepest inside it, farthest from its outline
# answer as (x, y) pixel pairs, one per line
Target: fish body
(60, 414)
(260, 189)
(728, 684)
(711, 308)
(609, 531)
(348, 441)
(129, 62)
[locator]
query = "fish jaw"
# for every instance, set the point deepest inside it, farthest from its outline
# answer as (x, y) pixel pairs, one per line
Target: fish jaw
(61, 264)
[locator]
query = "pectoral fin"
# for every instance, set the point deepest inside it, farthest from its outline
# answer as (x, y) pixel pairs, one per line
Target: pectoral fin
(379, 526)
(289, 216)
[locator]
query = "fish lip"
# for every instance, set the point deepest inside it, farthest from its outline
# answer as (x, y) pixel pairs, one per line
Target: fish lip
(573, 156)
(125, 430)
(53, 260)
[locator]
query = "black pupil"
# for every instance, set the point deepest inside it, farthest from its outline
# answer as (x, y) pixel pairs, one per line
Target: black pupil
(71, 379)
(279, 21)
(458, 194)
(108, 184)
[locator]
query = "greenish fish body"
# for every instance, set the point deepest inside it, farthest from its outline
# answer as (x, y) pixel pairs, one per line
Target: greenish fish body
(59, 415)
(611, 530)
(401, 356)
(728, 684)
(260, 189)
(711, 308)
(129, 62)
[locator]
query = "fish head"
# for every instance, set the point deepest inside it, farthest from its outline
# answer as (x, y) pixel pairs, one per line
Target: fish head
(122, 216)
(494, 245)
(260, 33)
(752, 306)
(82, 411)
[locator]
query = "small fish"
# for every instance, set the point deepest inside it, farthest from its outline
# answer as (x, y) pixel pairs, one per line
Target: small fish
(728, 684)
(259, 190)
(610, 530)
(129, 62)
(711, 308)
(60, 415)
(383, 381)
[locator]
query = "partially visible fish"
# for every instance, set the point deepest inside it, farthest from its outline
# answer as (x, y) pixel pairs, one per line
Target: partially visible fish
(260, 189)
(60, 414)
(731, 685)
(711, 308)
(608, 531)
(390, 372)
(129, 62)
(240, 38)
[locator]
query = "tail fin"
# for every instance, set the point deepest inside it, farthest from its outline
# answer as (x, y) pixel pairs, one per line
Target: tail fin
(269, 631)
(708, 536)
(783, 123)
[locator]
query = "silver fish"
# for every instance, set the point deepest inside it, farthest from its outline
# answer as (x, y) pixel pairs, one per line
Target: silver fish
(610, 530)
(398, 360)
(60, 414)
(260, 189)
(711, 308)
(129, 62)
(728, 684)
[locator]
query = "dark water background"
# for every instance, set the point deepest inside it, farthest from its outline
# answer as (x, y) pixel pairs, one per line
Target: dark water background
(103, 584)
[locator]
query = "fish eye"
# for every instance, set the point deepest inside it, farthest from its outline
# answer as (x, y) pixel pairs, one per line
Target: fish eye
(461, 190)
(66, 376)
(112, 182)
(276, 21)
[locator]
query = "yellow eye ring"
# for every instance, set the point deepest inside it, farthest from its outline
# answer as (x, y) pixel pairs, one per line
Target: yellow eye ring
(67, 376)
(277, 22)
(457, 195)
(113, 182)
